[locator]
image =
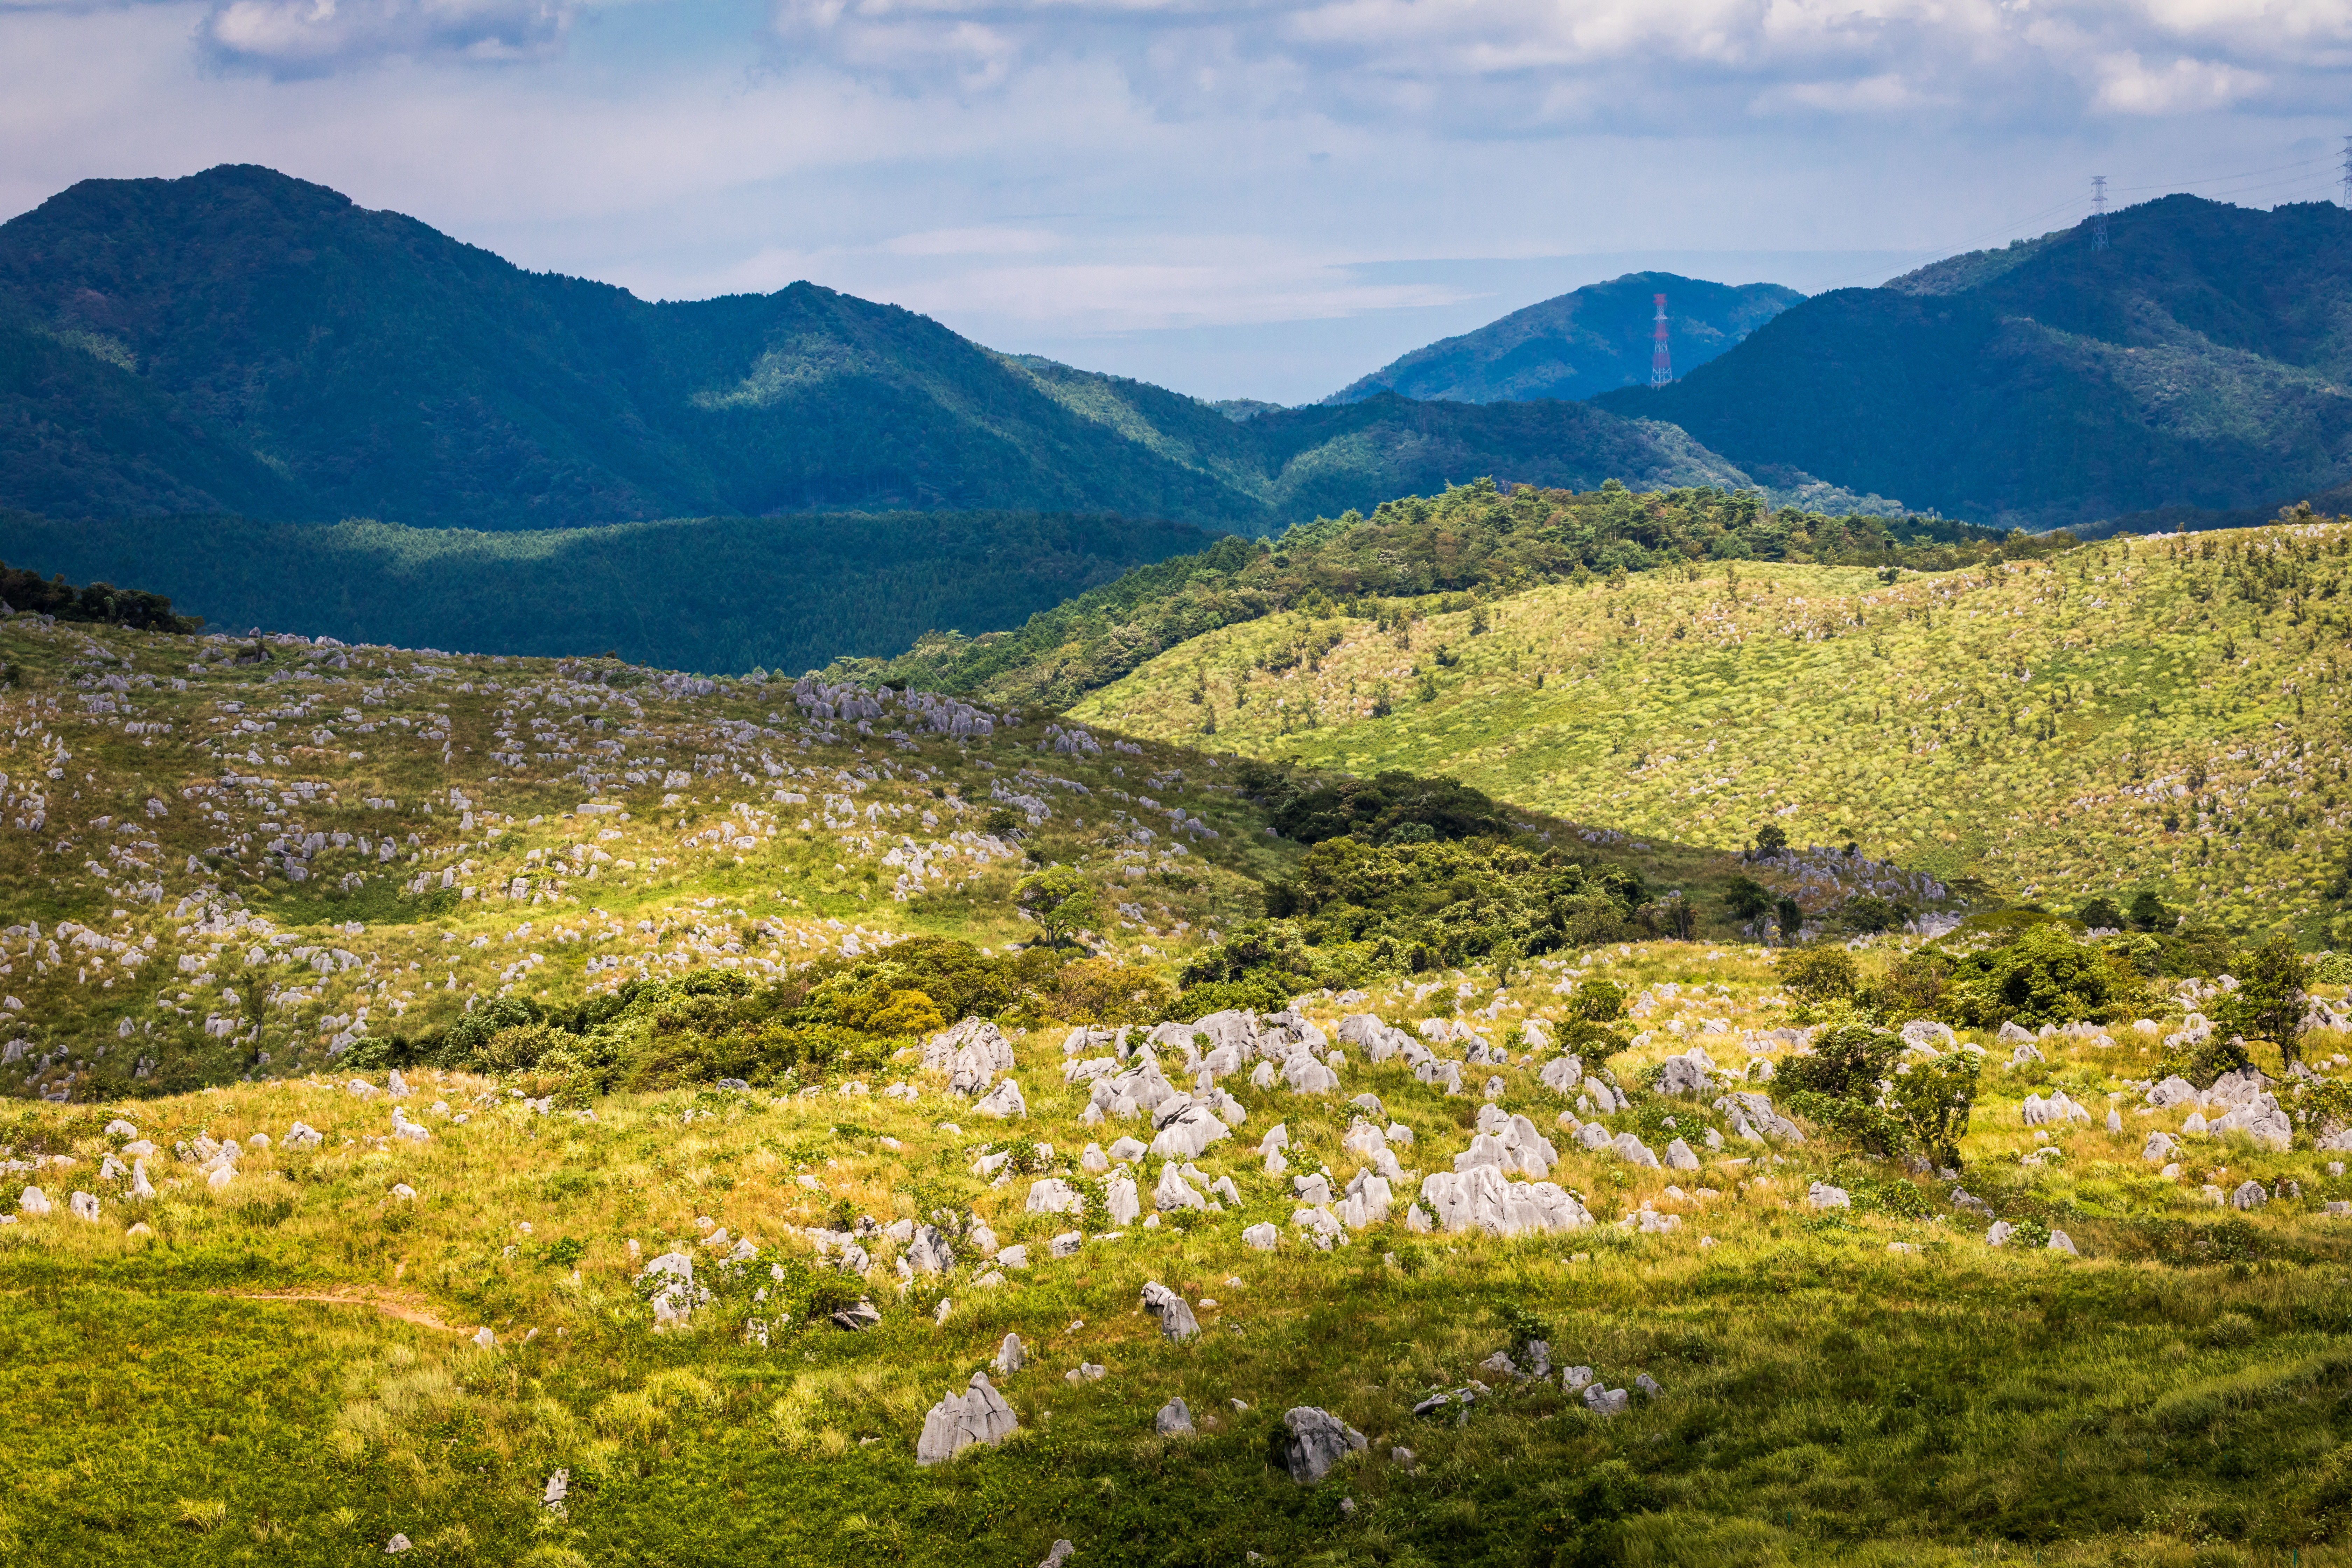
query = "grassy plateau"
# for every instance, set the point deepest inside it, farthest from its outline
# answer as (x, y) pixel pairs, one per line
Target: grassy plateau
(381, 1339)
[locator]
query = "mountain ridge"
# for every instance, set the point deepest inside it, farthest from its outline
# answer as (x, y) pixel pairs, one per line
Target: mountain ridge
(241, 342)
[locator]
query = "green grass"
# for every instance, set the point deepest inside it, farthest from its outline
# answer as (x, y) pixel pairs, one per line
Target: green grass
(2033, 725)
(2182, 1392)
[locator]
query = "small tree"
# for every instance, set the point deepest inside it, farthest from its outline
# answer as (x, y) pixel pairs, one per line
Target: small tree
(2268, 1003)
(1791, 915)
(1819, 974)
(2148, 913)
(1933, 1100)
(1597, 1002)
(1058, 900)
(1770, 839)
(2101, 914)
(1745, 898)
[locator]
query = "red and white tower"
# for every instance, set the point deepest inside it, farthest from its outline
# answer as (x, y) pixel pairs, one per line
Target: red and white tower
(1662, 365)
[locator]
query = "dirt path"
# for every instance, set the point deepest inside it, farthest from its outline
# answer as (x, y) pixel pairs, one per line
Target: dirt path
(403, 1308)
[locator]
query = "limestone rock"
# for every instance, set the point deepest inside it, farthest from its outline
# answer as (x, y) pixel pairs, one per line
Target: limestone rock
(1680, 1157)
(1051, 1195)
(1010, 1356)
(1480, 1199)
(2249, 1196)
(1174, 1420)
(930, 1251)
(2060, 1242)
(1261, 1238)
(1173, 1193)
(1176, 1320)
(1607, 1401)
(1821, 1196)
(960, 1421)
(1318, 1440)
(1003, 1102)
(34, 1202)
(1066, 1245)
(1634, 1152)
(1691, 1073)
(83, 1206)
(858, 1318)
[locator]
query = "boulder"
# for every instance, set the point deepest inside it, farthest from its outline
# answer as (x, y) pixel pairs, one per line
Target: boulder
(1607, 1401)
(2060, 1242)
(1999, 1233)
(1680, 1156)
(1173, 1193)
(1690, 1073)
(1015, 1258)
(1480, 1199)
(118, 1128)
(1753, 1118)
(2249, 1196)
(930, 1252)
(1174, 1420)
(1002, 1103)
(1010, 1356)
(2260, 1117)
(1321, 1227)
(34, 1202)
(959, 1421)
(1127, 1151)
(1261, 1238)
(1561, 1075)
(1066, 1245)
(1185, 1129)
(2012, 1035)
(2160, 1147)
(1925, 1034)
(1120, 1203)
(1648, 1386)
(1634, 1152)
(1821, 1196)
(1176, 1320)
(1093, 1160)
(83, 1206)
(1054, 1195)
(1379, 1041)
(859, 1316)
(1316, 1441)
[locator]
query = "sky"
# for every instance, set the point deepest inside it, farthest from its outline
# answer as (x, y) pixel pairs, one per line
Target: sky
(1236, 198)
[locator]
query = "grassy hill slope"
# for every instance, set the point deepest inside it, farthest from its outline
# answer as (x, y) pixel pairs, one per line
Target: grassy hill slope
(2198, 360)
(1586, 341)
(2164, 713)
(635, 944)
(710, 594)
(1476, 537)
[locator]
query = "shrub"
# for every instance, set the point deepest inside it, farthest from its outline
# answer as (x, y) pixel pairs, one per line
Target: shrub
(1933, 1100)
(1818, 973)
(2101, 914)
(1103, 990)
(2045, 976)
(1869, 914)
(1059, 899)
(1745, 898)
(1914, 986)
(1597, 1002)
(1263, 993)
(2268, 1003)
(1847, 1063)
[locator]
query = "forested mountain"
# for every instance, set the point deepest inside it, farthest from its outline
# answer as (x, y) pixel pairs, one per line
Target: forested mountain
(2199, 361)
(241, 342)
(705, 594)
(1585, 342)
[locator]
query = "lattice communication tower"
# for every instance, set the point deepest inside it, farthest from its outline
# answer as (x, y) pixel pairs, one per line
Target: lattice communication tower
(2098, 212)
(1661, 364)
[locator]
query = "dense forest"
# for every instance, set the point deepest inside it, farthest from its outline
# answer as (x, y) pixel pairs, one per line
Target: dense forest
(720, 595)
(1475, 538)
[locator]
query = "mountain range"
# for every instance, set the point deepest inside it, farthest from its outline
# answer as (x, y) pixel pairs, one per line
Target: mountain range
(241, 342)
(1588, 341)
(2196, 362)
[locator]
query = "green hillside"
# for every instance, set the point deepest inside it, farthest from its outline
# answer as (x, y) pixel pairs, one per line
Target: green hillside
(1586, 341)
(1475, 537)
(2198, 360)
(445, 1090)
(237, 341)
(2162, 714)
(712, 594)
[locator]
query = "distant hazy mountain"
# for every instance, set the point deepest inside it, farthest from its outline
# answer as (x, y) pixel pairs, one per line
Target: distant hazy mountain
(2200, 363)
(1585, 342)
(240, 341)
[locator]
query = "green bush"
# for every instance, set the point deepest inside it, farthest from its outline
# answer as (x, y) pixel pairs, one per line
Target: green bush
(1818, 974)
(1597, 1002)
(2044, 976)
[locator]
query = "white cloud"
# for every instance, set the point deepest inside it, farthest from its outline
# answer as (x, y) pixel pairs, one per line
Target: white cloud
(314, 37)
